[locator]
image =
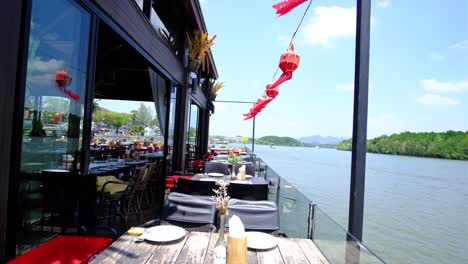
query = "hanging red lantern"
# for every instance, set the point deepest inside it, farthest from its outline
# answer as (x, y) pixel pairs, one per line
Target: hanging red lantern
(56, 118)
(272, 91)
(63, 79)
(289, 61)
(62, 116)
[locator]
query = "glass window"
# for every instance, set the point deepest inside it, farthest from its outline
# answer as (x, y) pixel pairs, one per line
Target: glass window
(171, 126)
(55, 84)
(53, 118)
(192, 136)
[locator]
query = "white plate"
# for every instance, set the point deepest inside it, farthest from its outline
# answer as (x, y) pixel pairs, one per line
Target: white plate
(240, 181)
(208, 179)
(259, 240)
(163, 233)
(248, 176)
(215, 174)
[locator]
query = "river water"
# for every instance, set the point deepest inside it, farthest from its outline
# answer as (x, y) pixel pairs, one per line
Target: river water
(416, 209)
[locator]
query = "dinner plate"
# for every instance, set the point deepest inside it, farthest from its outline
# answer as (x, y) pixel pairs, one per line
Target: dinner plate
(163, 233)
(105, 169)
(248, 176)
(208, 179)
(241, 181)
(261, 241)
(215, 174)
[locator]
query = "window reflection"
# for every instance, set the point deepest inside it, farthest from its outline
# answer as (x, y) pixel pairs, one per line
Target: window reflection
(192, 135)
(52, 127)
(55, 84)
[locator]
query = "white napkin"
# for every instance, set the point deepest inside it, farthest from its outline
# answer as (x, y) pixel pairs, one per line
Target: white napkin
(236, 228)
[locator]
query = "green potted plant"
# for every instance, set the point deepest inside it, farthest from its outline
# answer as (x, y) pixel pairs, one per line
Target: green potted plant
(214, 88)
(199, 46)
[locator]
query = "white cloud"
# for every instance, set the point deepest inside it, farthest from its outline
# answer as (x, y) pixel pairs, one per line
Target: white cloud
(434, 86)
(345, 87)
(383, 3)
(384, 124)
(330, 23)
(437, 56)
(435, 99)
(36, 64)
(461, 44)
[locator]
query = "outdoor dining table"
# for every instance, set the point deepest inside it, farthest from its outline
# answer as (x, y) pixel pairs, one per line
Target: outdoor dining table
(106, 168)
(227, 179)
(197, 247)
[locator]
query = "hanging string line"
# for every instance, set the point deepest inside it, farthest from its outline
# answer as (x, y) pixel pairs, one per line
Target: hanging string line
(295, 32)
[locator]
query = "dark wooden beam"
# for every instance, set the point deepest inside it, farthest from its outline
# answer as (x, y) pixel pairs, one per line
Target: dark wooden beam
(126, 18)
(361, 86)
(14, 22)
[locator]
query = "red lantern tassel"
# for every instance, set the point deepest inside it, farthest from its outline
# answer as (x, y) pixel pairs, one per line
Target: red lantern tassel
(284, 77)
(286, 6)
(72, 95)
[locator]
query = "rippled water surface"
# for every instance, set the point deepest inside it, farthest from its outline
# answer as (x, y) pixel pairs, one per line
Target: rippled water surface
(416, 209)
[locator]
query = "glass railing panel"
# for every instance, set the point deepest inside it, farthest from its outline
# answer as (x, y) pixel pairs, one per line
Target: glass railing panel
(335, 243)
(293, 205)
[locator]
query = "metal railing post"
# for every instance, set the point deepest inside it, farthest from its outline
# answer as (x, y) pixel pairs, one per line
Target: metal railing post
(278, 190)
(311, 221)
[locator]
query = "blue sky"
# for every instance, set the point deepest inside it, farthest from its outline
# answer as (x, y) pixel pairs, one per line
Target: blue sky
(418, 67)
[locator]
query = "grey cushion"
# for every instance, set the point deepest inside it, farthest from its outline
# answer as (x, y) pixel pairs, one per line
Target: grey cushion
(216, 167)
(255, 215)
(189, 208)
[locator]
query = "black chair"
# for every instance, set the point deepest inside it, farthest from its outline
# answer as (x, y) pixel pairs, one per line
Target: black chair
(255, 215)
(244, 191)
(195, 187)
(249, 169)
(217, 167)
(192, 212)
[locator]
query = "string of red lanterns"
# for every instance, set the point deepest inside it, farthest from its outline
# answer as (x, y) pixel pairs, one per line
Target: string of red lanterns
(289, 61)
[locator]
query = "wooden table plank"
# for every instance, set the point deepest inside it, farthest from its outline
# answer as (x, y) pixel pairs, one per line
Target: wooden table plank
(252, 257)
(137, 252)
(168, 252)
(209, 253)
(114, 251)
(269, 256)
(194, 250)
(311, 251)
(291, 251)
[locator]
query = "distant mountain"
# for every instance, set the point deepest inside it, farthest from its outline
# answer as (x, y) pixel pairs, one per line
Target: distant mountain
(317, 139)
(279, 141)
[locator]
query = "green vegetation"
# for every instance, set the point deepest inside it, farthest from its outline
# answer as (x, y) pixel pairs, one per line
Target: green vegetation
(279, 141)
(112, 118)
(445, 145)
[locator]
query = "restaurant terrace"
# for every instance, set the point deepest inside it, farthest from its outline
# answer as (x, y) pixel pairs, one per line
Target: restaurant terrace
(74, 188)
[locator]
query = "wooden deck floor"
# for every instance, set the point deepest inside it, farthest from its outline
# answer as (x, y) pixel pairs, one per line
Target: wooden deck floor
(196, 247)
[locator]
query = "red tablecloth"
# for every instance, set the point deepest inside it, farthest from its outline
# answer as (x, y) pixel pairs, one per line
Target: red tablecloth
(65, 250)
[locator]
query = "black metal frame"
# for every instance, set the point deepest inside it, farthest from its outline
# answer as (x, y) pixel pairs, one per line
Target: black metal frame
(115, 27)
(11, 154)
(361, 83)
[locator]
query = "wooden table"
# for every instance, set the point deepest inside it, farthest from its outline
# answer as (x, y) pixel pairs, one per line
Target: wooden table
(196, 247)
